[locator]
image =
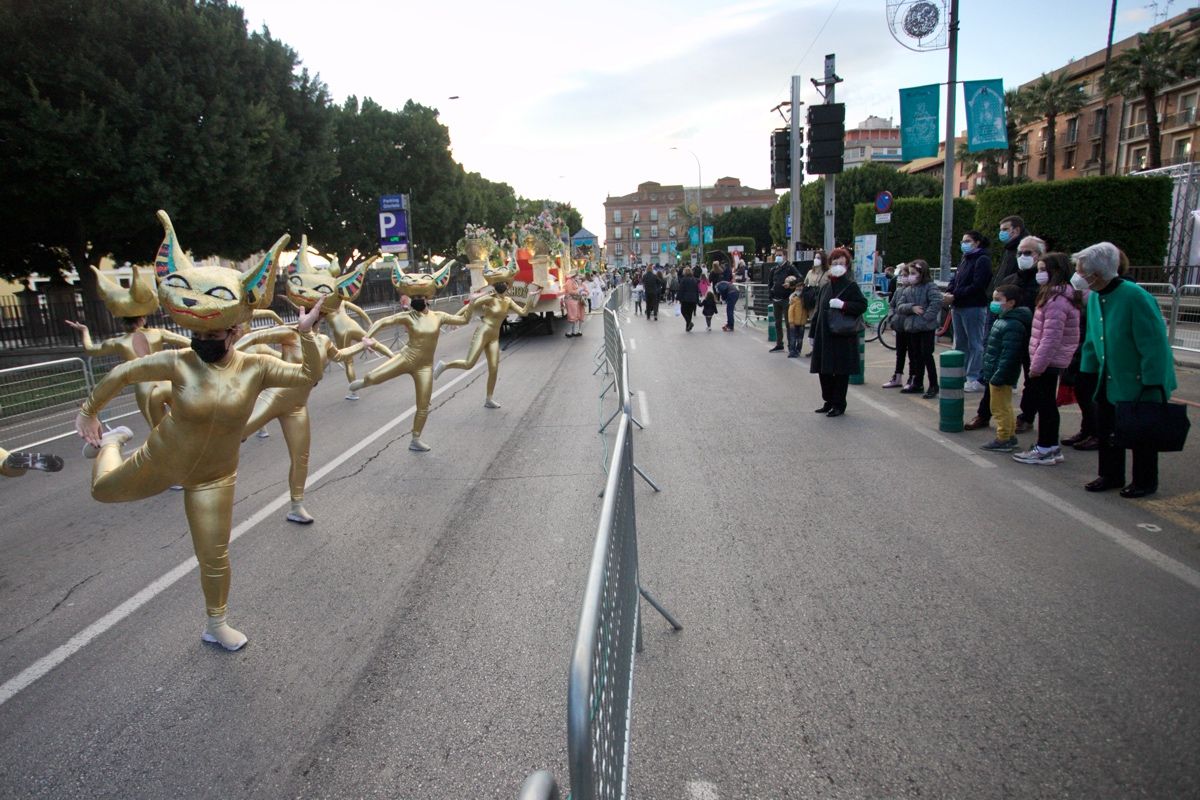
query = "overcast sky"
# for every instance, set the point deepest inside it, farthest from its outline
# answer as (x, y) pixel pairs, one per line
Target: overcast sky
(581, 100)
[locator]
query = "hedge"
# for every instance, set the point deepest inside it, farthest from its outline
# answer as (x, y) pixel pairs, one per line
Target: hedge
(1132, 213)
(722, 245)
(916, 228)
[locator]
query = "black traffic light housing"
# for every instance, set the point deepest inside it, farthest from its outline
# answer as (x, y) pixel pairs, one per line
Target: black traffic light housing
(637, 233)
(781, 158)
(826, 138)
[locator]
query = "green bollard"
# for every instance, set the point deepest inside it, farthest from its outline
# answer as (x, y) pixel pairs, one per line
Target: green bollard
(951, 379)
(770, 322)
(859, 377)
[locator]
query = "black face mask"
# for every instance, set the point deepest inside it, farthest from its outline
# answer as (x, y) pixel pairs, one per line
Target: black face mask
(210, 350)
(418, 304)
(501, 288)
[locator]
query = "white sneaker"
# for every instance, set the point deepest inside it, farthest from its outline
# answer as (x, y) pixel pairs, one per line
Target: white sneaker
(263, 433)
(417, 446)
(490, 403)
(298, 514)
(972, 386)
(218, 631)
(118, 435)
(1035, 456)
(438, 369)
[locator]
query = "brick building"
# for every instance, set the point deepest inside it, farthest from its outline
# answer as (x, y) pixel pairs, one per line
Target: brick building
(643, 225)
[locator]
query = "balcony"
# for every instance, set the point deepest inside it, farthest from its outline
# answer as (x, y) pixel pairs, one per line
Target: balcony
(1134, 132)
(1043, 146)
(1180, 119)
(1072, 137)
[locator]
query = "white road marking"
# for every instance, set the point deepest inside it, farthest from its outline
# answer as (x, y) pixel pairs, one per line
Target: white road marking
(22, 680)
(701, 790)
(936, 436)
(1116, 535)
(645, 408)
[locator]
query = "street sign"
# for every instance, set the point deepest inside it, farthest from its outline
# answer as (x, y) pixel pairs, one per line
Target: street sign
(393, 232)
(883, 202)
(877, 309)
(392, 202)
(787, 226)
(883, 219)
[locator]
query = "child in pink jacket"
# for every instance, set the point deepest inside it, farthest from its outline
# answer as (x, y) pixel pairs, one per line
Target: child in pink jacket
(1053, 340)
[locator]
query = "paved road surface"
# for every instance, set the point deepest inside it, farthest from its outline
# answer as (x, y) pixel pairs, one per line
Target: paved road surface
(872, 609)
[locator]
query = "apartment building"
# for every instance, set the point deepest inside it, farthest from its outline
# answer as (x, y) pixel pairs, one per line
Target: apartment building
(874, 140)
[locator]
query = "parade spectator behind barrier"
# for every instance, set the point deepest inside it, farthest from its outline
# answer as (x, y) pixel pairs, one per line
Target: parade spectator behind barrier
(1007, 342)
(918, 306)
(897, 324)
(709, 305)
(1012, 236)
(689, 297)
(741, 273)
(1126, 347)
(1053, 340)
(814, 279)
(796, 317)
(728, 292)
(779, 296)
(967, 292)
(653, 285)
(835, 356)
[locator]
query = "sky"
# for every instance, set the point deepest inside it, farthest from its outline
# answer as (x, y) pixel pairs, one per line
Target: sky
(576, 101)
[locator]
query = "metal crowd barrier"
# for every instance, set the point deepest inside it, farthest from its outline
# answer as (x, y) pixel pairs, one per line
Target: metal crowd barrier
(38, 400)
(1180, 308)
(600, 682)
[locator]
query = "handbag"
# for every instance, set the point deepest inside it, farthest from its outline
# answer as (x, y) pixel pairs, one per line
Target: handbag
(1162, 426)
(1066, 395)
(841, 323)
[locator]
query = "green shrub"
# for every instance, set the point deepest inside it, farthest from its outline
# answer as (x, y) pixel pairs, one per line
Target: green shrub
(916, 228)
(1132, 213)
(722, 245)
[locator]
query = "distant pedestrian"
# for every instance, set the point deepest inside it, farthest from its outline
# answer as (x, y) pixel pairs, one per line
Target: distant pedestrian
(918, 305)
(654, 287)
(688, 290)
(574, 298)
(728, 291)
(835, 355)
(639, 293)
(814, 279)
(896, 321)
(709, 306)
(779, 296)
(797, 316)
(967, 292)
(1001, 368)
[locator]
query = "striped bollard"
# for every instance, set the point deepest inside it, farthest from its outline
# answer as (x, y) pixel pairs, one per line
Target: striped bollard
(770, 321)
(950, 406)
(859, 377)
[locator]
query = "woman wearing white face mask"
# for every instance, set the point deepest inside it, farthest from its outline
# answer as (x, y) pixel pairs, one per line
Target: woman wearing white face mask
(835, 357)
(1053, 339)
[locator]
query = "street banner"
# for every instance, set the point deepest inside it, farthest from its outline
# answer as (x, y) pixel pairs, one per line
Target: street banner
(694, 235)
(919, 110)
(986, 126)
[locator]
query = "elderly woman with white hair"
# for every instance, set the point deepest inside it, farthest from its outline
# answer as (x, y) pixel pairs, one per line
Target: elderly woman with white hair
(1126, 347)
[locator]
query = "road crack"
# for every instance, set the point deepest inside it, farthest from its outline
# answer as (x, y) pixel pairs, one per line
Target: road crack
(56, 606)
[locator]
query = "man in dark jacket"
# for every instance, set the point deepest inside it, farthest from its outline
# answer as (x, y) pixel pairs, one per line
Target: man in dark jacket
(779, 296)
(654, 285)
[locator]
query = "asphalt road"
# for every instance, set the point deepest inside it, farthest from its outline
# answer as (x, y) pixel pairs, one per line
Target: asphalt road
(871, 609)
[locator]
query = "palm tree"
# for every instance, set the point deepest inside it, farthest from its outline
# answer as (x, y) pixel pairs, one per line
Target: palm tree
(1047, 99)
(1158, 60)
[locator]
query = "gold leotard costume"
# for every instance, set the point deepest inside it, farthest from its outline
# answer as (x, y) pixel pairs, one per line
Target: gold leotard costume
(152, 397)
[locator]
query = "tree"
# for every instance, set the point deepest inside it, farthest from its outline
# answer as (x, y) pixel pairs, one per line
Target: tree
(858, 185)
(1158, 60)
(109, 111)
(1046, 99)
(752, 222)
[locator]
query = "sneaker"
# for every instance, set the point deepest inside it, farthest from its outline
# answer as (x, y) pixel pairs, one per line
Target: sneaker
(894, 382)
(1036, 456)
(997, 446)
(40, 461)
(972, 387)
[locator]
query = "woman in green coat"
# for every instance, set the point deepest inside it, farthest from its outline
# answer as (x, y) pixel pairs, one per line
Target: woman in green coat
(1126, 347)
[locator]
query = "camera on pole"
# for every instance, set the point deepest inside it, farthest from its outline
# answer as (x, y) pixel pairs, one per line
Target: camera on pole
(781, 158)
(826, 138)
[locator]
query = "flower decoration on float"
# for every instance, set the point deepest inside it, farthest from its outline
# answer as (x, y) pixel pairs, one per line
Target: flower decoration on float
(477, 243)
(542, 234)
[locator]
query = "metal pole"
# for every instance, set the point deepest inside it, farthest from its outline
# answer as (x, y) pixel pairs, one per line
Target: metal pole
(796, 178)
(830, 180)
(948, 182)
(1112, 23)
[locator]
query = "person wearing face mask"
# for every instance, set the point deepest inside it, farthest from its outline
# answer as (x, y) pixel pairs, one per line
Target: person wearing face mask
(1012, 231)
(835, 357)
(898, 281)
(918, 304)
(1053, 339)
(780, 290)
(1126, 346)
(814, 279)
(1007, 343)
(967, 292)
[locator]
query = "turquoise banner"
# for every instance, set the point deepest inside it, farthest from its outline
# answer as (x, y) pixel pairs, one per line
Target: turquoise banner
(986, 126)
(920, 107)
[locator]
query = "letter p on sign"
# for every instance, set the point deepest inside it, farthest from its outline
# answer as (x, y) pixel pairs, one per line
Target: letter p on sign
(387, 224)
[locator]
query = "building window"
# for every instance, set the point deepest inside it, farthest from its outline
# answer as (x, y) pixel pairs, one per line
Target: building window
(635, 215)
(1042, 166)
(637, 248)
(671, 232)
(1069, 159)
(1072, 130)
(1023, 169)
(1181, 151)
(671, 213)
(654, 215)
(1095, 156)
(617, 232)
(708, 210)
(617, 215)
(653, 231)
(619, 249)
(1138, 161)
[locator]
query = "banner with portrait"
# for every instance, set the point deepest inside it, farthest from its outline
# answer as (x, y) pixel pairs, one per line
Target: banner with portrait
(987, 128)
(920, 107)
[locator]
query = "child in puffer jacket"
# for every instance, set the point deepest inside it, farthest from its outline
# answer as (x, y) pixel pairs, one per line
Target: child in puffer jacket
(1002, 362)
(1053, 339)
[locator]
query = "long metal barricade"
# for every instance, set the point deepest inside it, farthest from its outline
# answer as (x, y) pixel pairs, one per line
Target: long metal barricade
(600, 681)
(39, 401)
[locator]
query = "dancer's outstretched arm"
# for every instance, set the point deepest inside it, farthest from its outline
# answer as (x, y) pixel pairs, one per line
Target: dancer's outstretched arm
(90, 348)
(403, 319)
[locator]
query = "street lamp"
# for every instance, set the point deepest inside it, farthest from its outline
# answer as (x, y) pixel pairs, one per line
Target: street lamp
(699, 203)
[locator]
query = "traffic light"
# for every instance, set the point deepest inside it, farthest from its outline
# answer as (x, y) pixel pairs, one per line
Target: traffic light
(637, 233)
(781, 159)
(826, 138)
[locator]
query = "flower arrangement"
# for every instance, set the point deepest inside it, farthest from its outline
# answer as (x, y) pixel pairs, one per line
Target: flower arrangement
(478, 242)
(544, 231)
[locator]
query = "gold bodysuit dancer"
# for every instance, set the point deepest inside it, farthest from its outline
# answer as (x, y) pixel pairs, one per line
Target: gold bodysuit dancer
(214, 388)
(493, 309)
(306, 288)
(416, 358)
(132, 306)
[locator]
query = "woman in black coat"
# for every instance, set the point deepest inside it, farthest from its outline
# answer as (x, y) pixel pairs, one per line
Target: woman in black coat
(688, 292)
(835, 358)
